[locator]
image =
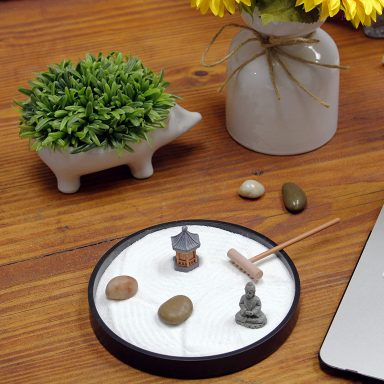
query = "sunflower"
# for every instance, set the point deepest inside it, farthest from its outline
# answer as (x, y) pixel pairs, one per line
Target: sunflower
(362, 11)
(328, 7)
(218, 7)
(357, 11)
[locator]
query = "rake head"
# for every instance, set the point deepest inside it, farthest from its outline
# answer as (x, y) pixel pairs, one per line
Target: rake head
(245, 265)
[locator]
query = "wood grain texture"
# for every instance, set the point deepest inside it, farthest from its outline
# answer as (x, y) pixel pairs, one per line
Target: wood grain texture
(50, 242)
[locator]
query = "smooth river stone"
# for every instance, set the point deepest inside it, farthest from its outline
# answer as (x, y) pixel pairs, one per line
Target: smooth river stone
(251, 189)
(176, 310)
(294, 197)
(121, 288)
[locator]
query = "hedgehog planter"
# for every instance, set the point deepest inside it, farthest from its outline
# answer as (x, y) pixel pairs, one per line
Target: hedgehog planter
(69, 167)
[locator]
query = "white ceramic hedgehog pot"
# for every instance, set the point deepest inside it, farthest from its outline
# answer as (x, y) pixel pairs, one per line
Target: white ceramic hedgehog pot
(69, 167)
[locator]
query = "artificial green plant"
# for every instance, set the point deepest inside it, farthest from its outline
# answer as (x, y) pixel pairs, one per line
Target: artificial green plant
(107, 101)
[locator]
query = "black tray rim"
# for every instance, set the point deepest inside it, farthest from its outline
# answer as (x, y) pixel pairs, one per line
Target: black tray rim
(191, 367)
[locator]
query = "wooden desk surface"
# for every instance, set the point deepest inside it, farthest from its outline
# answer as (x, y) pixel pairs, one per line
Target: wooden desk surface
(50, 242)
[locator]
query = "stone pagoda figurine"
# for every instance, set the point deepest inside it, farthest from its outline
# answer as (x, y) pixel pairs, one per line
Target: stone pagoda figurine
(185, 245)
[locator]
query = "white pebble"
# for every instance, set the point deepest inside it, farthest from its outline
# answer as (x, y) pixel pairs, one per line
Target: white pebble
(251, 189)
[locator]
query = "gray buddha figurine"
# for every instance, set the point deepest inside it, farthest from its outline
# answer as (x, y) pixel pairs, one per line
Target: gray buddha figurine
(250, 314)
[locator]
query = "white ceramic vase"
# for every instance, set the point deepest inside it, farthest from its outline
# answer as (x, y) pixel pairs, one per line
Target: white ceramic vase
(296, 123)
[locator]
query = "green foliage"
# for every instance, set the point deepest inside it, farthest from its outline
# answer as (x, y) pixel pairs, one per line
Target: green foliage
(281, 11)
(248, 8)
(104, 101)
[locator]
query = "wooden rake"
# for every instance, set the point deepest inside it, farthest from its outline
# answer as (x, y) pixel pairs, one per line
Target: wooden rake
(255, 272)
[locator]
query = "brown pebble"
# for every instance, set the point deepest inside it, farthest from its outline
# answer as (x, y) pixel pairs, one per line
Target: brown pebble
(121, 288)
(175, 310)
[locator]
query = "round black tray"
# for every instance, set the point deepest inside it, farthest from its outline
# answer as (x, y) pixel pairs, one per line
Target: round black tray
(191, 367)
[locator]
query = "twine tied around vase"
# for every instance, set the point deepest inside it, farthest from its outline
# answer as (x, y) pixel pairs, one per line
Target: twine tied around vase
(272, 48)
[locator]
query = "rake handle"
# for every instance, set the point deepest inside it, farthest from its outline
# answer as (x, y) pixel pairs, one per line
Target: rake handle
(293, 240)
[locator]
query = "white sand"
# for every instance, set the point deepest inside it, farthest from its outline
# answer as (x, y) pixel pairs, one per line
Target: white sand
(215, 288)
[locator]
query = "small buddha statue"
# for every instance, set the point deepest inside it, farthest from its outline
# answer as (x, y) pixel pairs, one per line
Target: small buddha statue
(250, 314)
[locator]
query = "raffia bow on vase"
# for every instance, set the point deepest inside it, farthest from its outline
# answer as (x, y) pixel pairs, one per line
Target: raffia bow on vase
(272, 47)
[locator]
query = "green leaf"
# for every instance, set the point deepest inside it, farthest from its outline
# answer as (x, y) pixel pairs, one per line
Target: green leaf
(94, 138)
(42, 123)
(25, 134)
(61, 113)
(89, 109)
(116, 115)
(285, 11)
(63, 124)
(56, 135)
(62, 143)
(114, 88)
(153, 93)
(135, 121)
(26, 91)
(128, 109)
(130, 91)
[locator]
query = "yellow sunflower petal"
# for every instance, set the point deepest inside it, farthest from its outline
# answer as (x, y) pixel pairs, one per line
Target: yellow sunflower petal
(230, 6)
(334, 7)
(218, 7)
(378, 7)
(201, 5)
(324, 12)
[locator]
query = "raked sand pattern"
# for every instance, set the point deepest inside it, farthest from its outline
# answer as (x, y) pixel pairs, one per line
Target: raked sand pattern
(215, 288)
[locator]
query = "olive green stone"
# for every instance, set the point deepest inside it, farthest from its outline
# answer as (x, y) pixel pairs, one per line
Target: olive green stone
(121, 288)
(294, 197)
(176, 310)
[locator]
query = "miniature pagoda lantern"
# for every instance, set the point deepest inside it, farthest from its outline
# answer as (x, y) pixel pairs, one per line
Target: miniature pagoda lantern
(185, 245)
